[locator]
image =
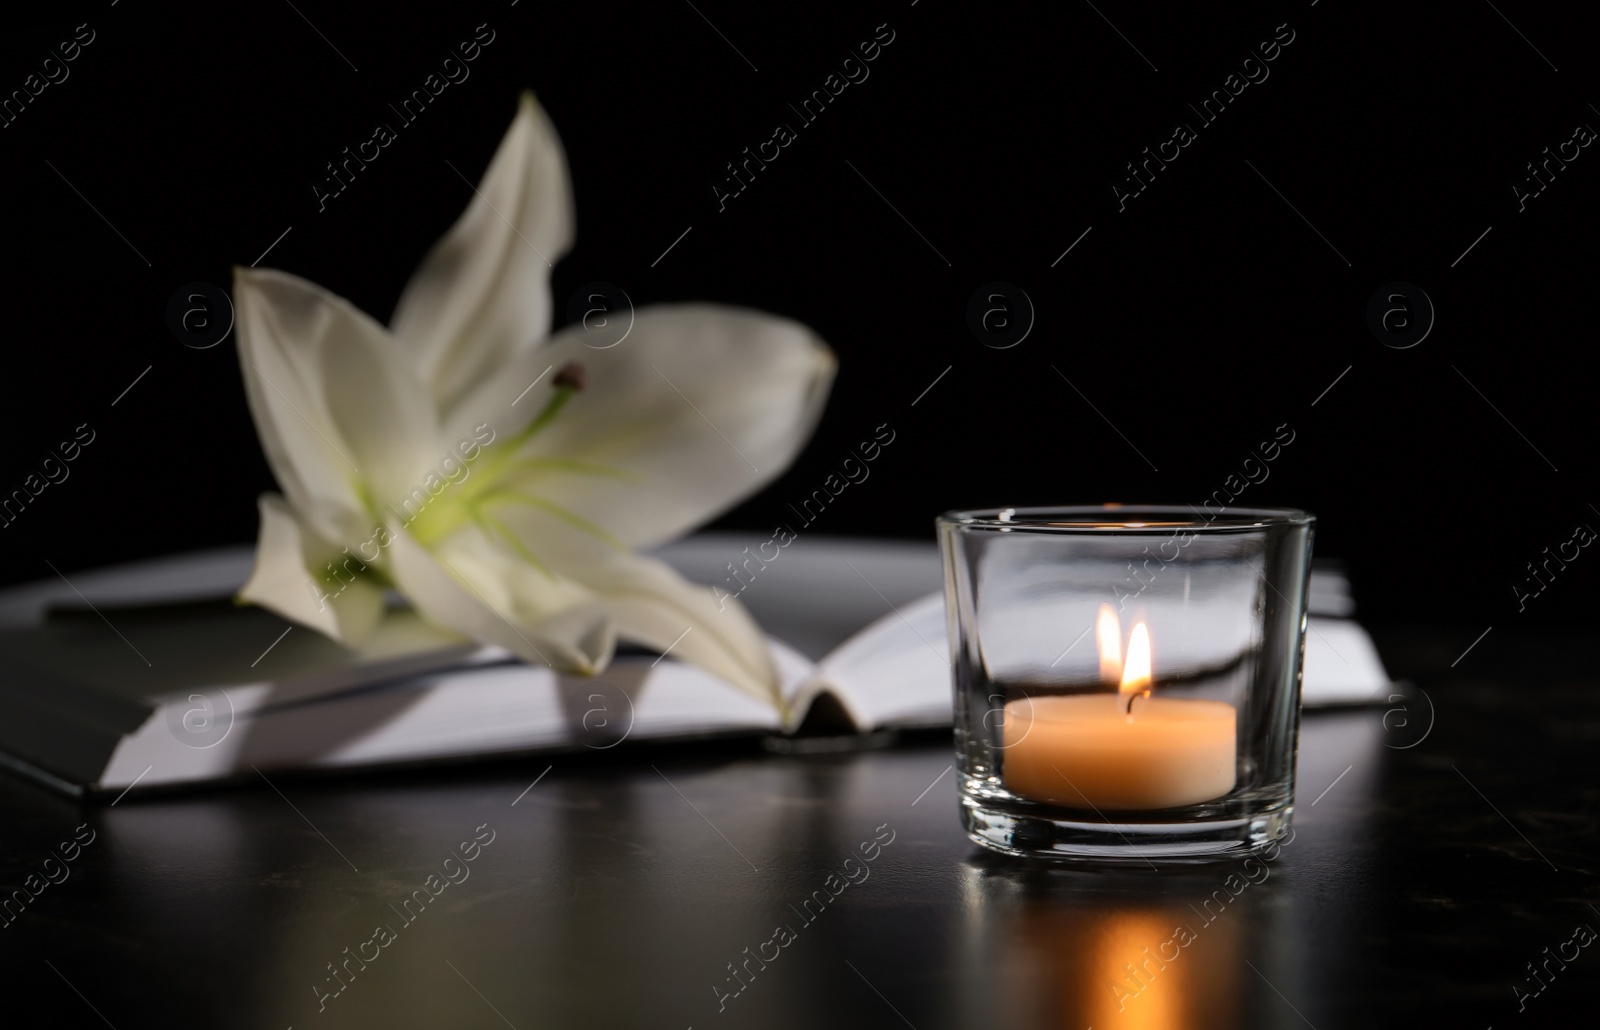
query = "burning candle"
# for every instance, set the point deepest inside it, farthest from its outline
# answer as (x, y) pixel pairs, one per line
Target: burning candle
(1121, 750)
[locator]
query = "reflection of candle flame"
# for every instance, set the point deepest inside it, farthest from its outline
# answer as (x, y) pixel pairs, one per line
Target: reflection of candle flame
(1136, 673)
(1108, 635)
(1129, 986)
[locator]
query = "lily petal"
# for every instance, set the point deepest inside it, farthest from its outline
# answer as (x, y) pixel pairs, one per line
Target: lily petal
(281, 582)
(652, 604)
(482, 294)
(285, 325)
(655, 606)
(383, 411)
(696, 409)
(462, 586)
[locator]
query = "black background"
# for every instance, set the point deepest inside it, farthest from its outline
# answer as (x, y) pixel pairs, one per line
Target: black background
(1196, 321)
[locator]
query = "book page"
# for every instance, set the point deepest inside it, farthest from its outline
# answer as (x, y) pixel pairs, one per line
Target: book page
(480, 710)
(1342, 666)
(895, 671)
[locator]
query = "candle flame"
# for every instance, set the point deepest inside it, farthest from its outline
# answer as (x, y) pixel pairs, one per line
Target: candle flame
(1136, 673)
(1108, 635)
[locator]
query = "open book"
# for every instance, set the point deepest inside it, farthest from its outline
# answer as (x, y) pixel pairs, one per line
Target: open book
(97, 700)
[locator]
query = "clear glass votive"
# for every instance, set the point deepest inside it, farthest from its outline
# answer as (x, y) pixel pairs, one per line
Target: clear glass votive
(1127, 678)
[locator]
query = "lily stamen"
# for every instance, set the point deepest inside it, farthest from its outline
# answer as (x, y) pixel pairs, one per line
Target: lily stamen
(570, 379)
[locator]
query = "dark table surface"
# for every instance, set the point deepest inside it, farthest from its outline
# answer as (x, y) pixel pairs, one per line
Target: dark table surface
(1437, 853)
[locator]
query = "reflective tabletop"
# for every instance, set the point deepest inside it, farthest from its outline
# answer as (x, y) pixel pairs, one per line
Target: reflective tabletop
(1441, 868)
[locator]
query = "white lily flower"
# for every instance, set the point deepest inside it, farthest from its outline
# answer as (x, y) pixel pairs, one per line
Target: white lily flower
(419, 457)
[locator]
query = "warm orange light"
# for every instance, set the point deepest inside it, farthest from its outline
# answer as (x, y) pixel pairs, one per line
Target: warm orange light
(1108, 635)
(1127, 985)
(1136, 672)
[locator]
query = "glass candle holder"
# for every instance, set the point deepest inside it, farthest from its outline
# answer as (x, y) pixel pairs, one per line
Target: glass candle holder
(1127, 678)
